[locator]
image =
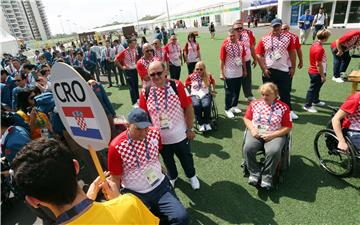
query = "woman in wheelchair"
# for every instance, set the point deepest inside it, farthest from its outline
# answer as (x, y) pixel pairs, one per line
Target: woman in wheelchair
(350, 110)
(268, 122)
(201, 86)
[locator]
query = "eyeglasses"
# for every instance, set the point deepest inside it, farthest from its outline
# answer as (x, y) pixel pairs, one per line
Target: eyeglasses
(17, 80)
(239, 28)
(199, 69)
(149, 50)
(156, 73)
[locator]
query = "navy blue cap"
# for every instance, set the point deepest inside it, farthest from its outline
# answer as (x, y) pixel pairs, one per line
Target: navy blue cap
(139, 117)
(275, 22)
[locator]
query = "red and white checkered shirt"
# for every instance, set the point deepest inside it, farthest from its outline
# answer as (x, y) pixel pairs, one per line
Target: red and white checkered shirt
(352, 107)
(280, 114)
(127, 58)
(173, 52)
(229, 52)
(122, 160)
(195, 82)
(191, 50)
(271, 44)
(160, 53)
(248, 40)
(175, 110)
(142, 66)
(349, 40)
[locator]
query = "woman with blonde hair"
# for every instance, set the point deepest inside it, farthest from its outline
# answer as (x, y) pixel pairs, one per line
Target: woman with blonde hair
(202, 89)
(268, 122)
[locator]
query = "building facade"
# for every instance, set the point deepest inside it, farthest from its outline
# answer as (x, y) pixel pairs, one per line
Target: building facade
(25, 19)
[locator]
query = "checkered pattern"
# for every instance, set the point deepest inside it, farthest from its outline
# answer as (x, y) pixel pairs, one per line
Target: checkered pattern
(132, 176)
(355, 40)
(197, 83)
(146, 63)
(355, 119)
(130, 58)
(174, 53)
(281, 45)
(174, 112)
(192, 52)
(324, 62)
(79, 117)
(160, 54)
(265, 109)
(245, 40)
(233, 51)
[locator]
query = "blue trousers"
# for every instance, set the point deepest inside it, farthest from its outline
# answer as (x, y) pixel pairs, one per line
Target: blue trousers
(183, 152)
(232, 91)
(202, 106)
(313, 92)
(340, 63)
(133, 81)
(355, 139)
(163, 203)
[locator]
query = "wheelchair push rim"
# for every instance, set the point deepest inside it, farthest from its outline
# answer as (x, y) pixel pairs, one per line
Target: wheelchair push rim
(333, 160)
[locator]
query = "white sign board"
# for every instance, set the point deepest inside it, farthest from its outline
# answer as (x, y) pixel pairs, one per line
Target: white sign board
(80, 110)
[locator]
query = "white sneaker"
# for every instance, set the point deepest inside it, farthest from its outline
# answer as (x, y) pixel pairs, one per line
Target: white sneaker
(195, 184)
(320, 103)
(235, 109)
(251, 98)
(202, 128)
(338, 80)
(293, 115)
(265, 185)
(173, 182)
(229, 114)
(253, 180)
(208, 127)
(310, 109)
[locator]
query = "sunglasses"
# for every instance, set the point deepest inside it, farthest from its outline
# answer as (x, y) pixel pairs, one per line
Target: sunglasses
(156, 73)
(199, 69)
(17, 80)
(149, 50)
(239, 28)
(154, 43)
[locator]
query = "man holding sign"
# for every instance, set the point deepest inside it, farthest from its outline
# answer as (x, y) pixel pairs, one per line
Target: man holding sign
(134, 163)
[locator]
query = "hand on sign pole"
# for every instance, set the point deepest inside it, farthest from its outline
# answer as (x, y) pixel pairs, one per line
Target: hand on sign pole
(97, 163)
(109, 188)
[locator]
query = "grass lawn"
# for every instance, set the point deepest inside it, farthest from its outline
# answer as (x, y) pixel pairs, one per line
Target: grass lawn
(308, 196)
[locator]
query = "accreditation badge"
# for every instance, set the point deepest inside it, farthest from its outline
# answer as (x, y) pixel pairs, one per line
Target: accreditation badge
(276, 55)
(164, 121)
(238, 61)
(151, 175)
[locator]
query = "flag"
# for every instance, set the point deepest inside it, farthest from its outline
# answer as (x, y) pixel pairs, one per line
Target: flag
(82, 122)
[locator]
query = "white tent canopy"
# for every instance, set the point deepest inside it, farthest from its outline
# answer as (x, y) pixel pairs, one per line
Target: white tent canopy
(8, 43)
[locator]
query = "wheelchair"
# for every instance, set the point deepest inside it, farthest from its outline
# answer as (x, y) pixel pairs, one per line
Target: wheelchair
(332, 159)
(214, 115)
(283, 165)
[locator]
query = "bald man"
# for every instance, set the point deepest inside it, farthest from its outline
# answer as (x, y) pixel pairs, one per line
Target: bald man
(143, 64)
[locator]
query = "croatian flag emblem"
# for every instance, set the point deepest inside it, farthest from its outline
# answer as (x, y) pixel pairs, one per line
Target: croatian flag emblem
(82, 122)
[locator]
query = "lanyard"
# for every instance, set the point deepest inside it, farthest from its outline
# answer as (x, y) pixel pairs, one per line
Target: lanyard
(130, 141)
(89, 54)
(199, 80)
(272, 43)
(271, 112)
(74, 211)
(156, 100)
(161, 54)
(108, 52)
(175, 49)
(131, 57)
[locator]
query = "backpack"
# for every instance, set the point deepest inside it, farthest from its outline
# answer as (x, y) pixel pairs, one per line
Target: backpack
(172, 84)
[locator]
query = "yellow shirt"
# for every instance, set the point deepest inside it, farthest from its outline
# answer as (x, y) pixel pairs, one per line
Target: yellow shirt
(126, 209)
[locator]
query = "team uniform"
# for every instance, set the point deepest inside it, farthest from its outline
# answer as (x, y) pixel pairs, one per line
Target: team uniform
(128, 58)
(166, 109)
(191, 50)
(265, 118)
(142, 66)
(276, 52)
(352, 107)
(137, 163)
(232, 54)
(246, 37)
(173, 52)
(347, 42)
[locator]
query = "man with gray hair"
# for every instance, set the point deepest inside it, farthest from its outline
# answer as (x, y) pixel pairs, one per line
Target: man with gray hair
(143, 63)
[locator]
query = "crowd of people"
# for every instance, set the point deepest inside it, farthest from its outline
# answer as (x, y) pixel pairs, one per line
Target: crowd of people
(162, 121)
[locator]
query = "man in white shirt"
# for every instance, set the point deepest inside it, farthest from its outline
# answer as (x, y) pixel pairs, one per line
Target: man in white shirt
(320, 22)
(118, 48)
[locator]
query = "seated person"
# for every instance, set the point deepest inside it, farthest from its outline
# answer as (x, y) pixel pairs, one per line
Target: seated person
(349, 110)
(135, 166)
(202, 87)
(268, 122)
(46, 172)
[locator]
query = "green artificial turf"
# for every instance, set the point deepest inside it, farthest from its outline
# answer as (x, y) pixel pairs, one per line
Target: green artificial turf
(308, 195)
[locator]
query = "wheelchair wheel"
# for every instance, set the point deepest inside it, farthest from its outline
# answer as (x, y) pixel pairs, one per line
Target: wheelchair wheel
(333, 160)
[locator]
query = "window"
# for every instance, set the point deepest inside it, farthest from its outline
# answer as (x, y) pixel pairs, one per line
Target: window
(327, 8)
(315, 9)
(205, 21)
(340, 12)
(217, 19)
(354, 15)
(303, 8)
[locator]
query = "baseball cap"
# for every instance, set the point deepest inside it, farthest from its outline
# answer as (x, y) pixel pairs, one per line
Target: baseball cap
(139, 117)
(275, 22)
